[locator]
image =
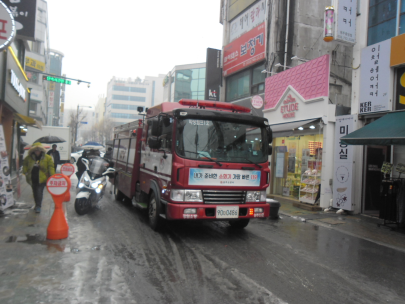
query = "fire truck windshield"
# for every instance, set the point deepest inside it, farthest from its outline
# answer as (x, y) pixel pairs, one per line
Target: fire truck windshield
(221, 141)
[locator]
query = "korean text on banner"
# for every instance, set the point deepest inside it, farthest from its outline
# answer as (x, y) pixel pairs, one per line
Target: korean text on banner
(234, 178)
(343, 164)
(375, 78)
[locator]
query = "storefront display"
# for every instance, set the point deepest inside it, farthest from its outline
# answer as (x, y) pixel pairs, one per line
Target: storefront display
(298, 166)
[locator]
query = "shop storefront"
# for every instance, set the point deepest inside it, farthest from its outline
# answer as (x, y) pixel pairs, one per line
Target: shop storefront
(303, 123)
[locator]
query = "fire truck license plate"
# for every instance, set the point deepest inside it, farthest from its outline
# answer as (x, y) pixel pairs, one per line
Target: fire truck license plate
(228, 212)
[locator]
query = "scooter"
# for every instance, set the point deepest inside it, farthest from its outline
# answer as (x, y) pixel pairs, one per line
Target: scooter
(92, 184)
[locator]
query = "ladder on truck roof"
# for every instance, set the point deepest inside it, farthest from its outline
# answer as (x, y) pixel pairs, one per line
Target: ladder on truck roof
(125, 130)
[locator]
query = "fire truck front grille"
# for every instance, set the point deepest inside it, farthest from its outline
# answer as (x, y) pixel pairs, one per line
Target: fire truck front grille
(223, 197)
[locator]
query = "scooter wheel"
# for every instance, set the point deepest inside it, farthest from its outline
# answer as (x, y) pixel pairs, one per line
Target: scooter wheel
(82, 206)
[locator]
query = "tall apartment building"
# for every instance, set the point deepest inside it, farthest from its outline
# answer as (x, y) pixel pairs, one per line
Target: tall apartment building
(55, 89)
(124, 96)
(185, 81)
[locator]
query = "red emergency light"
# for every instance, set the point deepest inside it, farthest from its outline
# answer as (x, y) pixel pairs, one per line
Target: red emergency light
(214, 104)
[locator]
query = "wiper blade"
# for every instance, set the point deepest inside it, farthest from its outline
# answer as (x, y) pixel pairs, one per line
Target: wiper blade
(215, 161)
(250, 161)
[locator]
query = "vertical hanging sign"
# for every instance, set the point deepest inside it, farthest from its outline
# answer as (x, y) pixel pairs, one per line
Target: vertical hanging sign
(346, 14)
(375, 78)
(343, 165)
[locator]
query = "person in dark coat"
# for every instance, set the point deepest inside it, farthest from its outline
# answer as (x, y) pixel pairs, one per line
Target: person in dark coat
(81, 167)
(108, 155)
(55, 155)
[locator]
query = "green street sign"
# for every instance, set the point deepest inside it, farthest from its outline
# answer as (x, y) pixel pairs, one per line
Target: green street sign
(56, 79)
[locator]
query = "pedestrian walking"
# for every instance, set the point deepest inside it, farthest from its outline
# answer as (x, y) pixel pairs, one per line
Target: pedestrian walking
(55, 155)
(37, 167)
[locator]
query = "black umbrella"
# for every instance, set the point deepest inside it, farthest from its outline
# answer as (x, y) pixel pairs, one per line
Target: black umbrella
(50, 139)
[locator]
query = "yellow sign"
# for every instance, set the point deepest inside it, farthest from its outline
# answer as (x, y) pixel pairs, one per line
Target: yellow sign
(397, 50)
(62, 107)
(52, 86)
(35, 64)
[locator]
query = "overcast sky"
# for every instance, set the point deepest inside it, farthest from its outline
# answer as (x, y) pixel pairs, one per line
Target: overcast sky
(128, 38)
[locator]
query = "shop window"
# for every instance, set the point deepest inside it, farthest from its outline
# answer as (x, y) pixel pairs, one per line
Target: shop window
(246, 83)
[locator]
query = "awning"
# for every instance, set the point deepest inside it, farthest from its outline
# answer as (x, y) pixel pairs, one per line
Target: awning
(29, 121)
(385, 131)
(287, 129)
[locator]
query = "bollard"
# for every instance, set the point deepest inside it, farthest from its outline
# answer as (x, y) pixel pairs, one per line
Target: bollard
(68, 170)
(58, 185)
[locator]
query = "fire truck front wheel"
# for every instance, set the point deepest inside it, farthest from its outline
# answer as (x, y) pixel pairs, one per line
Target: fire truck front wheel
(155, 220)
(239, 224)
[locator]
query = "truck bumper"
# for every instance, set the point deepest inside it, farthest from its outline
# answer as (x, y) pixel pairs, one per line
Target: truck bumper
(208, 212)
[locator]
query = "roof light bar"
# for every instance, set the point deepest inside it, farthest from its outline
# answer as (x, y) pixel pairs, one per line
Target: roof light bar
(214, 104)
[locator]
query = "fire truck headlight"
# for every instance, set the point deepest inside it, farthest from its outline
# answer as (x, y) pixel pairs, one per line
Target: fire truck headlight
(193, 196)
(258, 210)
(177, 195)
(256, 196)
(190, 211)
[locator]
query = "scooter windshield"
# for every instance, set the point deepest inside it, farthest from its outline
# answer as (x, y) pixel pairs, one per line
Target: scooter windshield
(98, 165)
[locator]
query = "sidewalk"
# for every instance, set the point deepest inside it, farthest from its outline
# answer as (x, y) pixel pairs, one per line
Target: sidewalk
(361, 226)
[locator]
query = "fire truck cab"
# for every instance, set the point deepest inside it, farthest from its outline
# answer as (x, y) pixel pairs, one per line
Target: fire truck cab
(195, 160)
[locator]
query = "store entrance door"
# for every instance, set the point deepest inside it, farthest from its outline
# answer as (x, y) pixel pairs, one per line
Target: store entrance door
(375, 156)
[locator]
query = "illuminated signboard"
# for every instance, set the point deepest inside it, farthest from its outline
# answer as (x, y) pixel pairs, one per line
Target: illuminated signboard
(56, 79)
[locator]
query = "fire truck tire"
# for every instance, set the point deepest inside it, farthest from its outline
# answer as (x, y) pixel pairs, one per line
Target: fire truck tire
(119, 196)
(155, 220)
(239, 224)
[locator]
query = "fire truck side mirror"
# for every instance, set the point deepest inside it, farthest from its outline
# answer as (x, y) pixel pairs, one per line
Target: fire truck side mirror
(154, 142)
(270, 150)
(269, 135)
(154, 123)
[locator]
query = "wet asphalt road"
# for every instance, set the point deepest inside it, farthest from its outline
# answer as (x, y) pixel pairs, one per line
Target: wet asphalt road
(270, 261)
(113, 256)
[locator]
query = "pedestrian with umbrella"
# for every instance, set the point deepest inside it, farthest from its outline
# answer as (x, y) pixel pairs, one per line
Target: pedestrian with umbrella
(38, 167)
(55, 155)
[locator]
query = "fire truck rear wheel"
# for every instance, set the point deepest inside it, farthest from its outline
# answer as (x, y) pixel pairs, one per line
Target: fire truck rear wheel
(239, 224)
(119, 196)
(155, 220)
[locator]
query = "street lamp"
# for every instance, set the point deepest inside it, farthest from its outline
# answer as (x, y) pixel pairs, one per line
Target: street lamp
(77, 119)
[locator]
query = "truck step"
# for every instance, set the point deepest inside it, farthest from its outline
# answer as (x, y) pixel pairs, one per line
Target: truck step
(140, 205)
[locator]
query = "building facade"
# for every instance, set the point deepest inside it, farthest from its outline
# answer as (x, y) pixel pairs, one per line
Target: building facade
(55, 116)
(185, 81)
(276, 62)
(125, 96)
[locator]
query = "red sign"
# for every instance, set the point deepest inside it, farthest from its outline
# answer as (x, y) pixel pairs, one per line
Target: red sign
(245, 51)
(257, 102)
(67, 169)
(58, 184)
(290, 105)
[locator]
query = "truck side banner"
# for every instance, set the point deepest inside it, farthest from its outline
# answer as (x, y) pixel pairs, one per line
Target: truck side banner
(212, 177)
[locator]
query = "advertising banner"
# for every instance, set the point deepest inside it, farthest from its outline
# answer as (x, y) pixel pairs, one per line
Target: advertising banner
(343, 164)
(213, 74)
(24, 13)
(400, 97)
(248, 20)
(245, 51)
(346, 21)
(35, 64)
(233, 178)
(6, 189)
(375, 78)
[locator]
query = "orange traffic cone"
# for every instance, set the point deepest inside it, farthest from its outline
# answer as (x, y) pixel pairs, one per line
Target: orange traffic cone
(58, 186)
(58, 227)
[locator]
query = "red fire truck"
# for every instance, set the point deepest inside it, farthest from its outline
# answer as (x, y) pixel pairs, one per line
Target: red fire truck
(195, 160)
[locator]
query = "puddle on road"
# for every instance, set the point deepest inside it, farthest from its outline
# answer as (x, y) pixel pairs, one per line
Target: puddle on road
(52, 246)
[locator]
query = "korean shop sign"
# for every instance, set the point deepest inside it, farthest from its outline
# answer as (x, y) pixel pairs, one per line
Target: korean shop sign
(375, 78)
(24, 13)
(343, 164)
(248, 20)
(400, 92)
(346, 21)
(7, 26)
(245, 51)
(35, 64)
